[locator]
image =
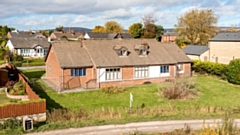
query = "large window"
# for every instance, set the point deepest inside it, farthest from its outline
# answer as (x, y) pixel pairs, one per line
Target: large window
(113, 73)
(78, 72)
(140, 72)
(164, 69)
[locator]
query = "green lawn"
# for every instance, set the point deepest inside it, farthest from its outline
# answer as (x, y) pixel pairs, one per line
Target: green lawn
(214, 98)
(3, 98)
(212, 93)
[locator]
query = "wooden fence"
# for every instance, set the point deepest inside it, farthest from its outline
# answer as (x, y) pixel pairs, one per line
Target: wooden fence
(27, 108)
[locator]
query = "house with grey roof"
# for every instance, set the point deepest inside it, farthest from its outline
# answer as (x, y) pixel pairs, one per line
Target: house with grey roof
(102, 63)
(92, 35)
(197, 52)
(224, 47)
(68, 36)
(28, 47)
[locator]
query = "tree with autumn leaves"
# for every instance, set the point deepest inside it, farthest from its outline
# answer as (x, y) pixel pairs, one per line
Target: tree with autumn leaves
(146, 30)
(109, 27)
(196, 27)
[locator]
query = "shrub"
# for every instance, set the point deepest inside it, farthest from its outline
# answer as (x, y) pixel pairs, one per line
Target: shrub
(112, 89)
(10, 123)
(226, 127)
(233, 74)
(17, 57)
(211, 68)
(182, 88)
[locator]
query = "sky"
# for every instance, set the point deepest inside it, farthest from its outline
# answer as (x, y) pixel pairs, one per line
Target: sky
(49, 14)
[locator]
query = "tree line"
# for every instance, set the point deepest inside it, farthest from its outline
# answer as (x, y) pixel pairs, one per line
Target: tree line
(138, 30)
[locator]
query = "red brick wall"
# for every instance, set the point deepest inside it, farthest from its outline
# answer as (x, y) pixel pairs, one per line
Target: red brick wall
(127, 72)
(77, 81)
(53, 69)
(128, 78)
(168, 38)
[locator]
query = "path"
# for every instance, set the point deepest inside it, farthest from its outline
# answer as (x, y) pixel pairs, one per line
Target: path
(141, 127)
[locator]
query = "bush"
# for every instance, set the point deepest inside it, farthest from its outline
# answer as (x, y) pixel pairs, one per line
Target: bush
(112, 90)
(211, 68)
(233, 74)
(183, 88)
(18, 63)
(226, 127)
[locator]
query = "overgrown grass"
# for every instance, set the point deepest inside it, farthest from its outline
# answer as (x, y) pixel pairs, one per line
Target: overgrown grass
(215, 96)
(3, 98)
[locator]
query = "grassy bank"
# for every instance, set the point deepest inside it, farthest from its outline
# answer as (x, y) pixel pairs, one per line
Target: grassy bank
(97, 108)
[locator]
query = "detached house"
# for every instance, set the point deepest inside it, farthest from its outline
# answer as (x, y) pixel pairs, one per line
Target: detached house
(28, 47)
(197, 52)
(225, 47)
(100, 63)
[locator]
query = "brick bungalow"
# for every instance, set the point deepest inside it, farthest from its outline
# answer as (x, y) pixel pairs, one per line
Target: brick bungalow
(100, 63)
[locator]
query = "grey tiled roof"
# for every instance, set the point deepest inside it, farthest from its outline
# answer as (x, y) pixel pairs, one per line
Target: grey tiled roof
(109, 35)
(102, 53)
(71, 54)
(28, 43)
(227, 36)
(195, 49)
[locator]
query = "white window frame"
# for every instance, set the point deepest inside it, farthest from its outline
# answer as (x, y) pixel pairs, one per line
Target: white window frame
(141, 72)
(179, 69)
(113, 74)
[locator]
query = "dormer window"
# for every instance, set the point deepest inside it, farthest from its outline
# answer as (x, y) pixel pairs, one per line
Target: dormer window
(142, 49)
(122, 51)
(143, 52)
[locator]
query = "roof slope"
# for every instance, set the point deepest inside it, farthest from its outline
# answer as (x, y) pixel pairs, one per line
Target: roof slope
(71, 54)
(29, 42)
(227, 36)
(195, 49)
(103, 54)
(25, 35)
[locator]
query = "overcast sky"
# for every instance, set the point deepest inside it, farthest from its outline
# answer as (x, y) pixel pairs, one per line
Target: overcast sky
(46, 14)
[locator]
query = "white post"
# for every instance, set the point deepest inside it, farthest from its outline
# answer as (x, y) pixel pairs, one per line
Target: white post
(131, 100)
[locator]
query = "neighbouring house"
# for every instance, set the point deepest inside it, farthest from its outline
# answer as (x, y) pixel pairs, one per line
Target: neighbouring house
(28, 47)
(169, 37)
(69, 36)
(197, 52)
(17, 34)
(224, 47)
(101, 63)
(92, 35)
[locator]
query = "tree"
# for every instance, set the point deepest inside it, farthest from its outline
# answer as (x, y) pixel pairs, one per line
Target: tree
(113, 27)
(159, 32)
(198, 26)
(181, 41)
(136, 30)
(149, 26)
(98, 29)
(59, 28)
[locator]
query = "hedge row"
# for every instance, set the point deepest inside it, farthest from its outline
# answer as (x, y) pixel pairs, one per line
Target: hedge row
(210, 68)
